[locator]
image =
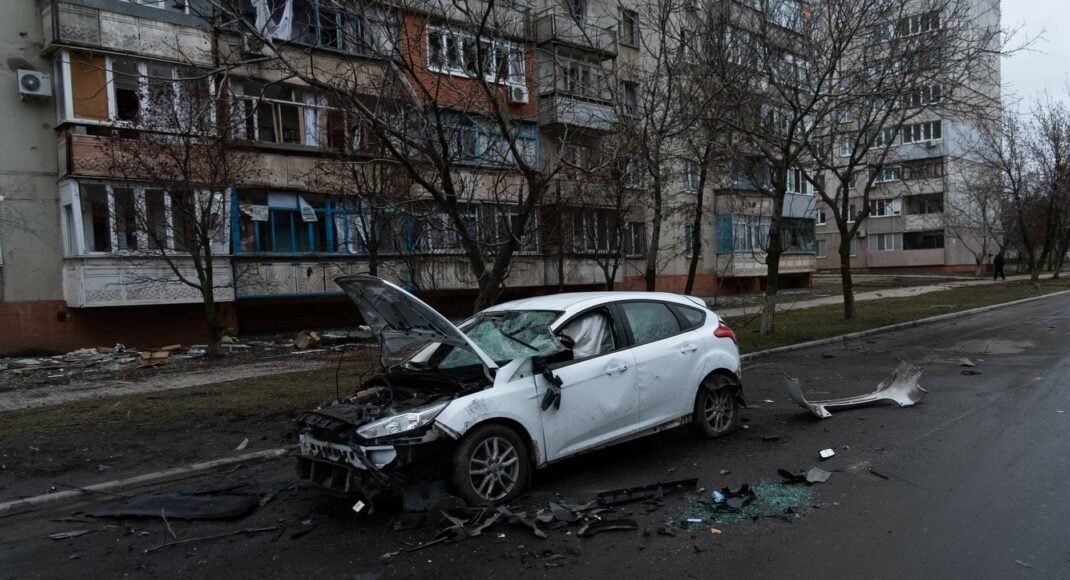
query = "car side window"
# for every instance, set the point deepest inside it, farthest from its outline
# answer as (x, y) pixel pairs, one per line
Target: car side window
(693, 317)
(650, 321)
(592, 333)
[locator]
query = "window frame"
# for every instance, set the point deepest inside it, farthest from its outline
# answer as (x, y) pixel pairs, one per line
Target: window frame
(512, 52)
(626, 324)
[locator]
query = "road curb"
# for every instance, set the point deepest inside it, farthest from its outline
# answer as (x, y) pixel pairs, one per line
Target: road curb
(894, 327)
(26, 504)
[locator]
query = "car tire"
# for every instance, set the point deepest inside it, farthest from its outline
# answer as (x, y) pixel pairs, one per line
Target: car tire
(717, 408)
(490, 466)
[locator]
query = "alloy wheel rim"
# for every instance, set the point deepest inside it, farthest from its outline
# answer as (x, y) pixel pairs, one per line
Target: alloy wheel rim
(718, 410)
(494, 468)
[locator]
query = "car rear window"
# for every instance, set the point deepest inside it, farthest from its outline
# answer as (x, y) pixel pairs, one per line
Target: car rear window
(650, 321)
(693, 317)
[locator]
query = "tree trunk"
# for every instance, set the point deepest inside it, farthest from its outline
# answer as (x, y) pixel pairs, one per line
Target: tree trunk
(772, 279)
(215, 325)
(845, 279)
(651, 273)
(772, 262)
(696, 245)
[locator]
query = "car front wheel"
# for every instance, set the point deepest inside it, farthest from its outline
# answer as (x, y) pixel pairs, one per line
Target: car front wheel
(716, 410)
(490, 466)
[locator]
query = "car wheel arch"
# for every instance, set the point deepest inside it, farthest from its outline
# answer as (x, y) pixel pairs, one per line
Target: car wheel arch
(733, 382)
(532, 446)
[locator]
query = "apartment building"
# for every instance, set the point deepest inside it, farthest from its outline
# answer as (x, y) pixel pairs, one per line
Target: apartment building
(84, 245)
(927, 209)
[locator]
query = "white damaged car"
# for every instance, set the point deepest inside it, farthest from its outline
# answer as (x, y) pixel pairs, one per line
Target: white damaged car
(516, 387)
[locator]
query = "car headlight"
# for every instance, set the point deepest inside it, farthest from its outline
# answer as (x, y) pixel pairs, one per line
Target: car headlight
(403, 422)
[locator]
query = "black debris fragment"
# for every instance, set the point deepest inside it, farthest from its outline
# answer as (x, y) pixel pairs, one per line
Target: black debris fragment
(598, 526)
(652, 492)
(178, 506)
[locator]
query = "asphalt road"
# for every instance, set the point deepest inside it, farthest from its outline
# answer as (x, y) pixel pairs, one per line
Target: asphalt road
(977, 486)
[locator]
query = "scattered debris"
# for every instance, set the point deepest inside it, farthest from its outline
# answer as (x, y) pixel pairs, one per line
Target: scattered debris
(878, 474)
(970, 372)
(966, 363)
(765, 499)
(599, 526)
(171, 347)
(645, 492)
(241, 446)
(357, 507)
(817, 475)
(770, 438)
(826, 453)
(724, 471)
(153, 359)
(68, 535)
(246, 531)
(307, 339)
(180, 506)
(715, 531)
(901, 387)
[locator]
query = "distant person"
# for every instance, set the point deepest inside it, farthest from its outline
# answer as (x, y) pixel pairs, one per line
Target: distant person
(997, 264)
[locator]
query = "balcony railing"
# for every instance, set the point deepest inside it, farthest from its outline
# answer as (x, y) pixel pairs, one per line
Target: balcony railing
(554, 26)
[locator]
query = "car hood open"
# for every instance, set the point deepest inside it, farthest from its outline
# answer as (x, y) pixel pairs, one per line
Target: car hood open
(401, 320)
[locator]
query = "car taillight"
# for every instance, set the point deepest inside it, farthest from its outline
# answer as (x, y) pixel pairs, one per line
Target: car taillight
(724, 332)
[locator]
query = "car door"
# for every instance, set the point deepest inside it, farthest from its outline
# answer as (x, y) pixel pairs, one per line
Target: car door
(665, 356)
(598, 399)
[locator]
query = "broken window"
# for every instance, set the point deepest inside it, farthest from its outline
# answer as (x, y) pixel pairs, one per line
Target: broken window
(126, 84)
(156, 218)
(650, 321)
(96, 218)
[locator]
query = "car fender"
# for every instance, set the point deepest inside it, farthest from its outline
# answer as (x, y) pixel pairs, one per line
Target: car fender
(719, 359)
(510, 401)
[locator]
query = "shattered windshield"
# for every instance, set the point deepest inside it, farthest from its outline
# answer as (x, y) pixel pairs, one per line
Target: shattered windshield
(504, 336)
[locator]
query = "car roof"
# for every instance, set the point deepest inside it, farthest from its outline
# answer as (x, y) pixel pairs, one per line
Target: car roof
(573, 301)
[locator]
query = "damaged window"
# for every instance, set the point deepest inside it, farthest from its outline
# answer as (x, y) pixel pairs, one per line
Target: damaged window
(504, 336)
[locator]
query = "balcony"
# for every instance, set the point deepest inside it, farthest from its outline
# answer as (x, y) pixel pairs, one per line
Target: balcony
(94, 281)
(566, 110)
(564, 29)
(140, 29)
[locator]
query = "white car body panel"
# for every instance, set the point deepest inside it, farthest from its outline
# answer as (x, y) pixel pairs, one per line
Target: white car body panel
(605, 399)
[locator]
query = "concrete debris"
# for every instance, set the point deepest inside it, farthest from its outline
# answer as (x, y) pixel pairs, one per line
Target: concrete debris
(307, 339)
(826, 453)
(157, 358)
(817, 475)
(241, 446)
(900, 387)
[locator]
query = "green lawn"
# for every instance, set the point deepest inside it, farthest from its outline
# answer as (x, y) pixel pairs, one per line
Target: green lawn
(796, 326)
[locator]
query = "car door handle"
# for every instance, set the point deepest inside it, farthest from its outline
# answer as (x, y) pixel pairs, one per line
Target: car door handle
(688, 348)
(616, 369)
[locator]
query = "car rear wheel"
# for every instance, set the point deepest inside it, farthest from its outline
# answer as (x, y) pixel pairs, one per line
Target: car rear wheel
(490, 466)
(716, 411)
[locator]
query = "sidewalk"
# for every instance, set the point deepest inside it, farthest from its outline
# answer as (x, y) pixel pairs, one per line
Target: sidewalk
(785, 305)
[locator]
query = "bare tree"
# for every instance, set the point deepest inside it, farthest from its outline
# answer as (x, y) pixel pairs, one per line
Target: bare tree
(445, 96)
(179, 159)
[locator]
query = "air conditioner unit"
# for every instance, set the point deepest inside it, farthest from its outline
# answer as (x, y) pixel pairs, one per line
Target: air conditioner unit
(931, 144)
(518, 95)
(251, 45)
(34, 84)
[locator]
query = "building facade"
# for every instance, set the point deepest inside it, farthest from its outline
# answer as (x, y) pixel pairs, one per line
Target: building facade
(932, 207)
(93, 254)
